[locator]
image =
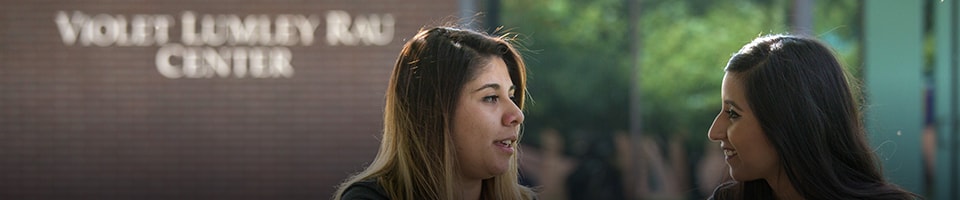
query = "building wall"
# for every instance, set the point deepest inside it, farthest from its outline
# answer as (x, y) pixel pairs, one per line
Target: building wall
(894, 115)
(101, 118)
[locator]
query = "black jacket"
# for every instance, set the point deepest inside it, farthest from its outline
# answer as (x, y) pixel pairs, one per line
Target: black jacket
(365, 190)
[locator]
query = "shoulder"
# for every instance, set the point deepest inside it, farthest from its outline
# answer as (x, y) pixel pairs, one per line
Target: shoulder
(722, 191)
(365, 190)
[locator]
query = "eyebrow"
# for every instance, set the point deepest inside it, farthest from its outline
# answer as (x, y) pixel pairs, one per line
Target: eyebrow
(731, 103)
(494, 86)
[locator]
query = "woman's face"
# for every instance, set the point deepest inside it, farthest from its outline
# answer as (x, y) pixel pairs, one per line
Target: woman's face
(487, 122)
(746, 148)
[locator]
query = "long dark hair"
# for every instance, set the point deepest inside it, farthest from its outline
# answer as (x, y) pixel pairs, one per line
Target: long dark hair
(805, 106)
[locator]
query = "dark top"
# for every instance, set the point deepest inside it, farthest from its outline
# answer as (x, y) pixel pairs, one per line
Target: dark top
(365, 190)
(720, 189)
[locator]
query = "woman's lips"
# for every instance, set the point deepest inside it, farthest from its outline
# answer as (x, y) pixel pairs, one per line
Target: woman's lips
(505, 145)
(729, 153)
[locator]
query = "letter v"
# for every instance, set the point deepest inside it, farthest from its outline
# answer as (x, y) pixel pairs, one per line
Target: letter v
(70, 28)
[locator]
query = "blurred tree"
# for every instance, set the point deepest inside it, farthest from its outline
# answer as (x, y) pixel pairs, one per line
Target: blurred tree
(578, 63)
(838, 24)
(683, 58)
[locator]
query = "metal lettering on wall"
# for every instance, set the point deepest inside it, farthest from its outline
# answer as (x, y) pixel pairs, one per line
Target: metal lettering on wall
(223, 45)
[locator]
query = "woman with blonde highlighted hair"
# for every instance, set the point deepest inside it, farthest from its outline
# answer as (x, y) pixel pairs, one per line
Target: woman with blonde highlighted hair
(451, 122)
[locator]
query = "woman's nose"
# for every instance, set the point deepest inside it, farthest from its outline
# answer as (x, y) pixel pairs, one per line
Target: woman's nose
(718, 129)
(513, 116)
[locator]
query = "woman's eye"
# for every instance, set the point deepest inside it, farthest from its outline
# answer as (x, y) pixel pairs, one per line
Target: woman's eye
(491, 98)
(732, 114)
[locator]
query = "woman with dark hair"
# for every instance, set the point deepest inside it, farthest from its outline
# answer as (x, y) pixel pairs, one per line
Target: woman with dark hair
(451, 122)
(791, 128)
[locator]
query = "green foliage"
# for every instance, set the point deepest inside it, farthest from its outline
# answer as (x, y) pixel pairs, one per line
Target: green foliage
(837, 23)
(683, 58)
(580, 63)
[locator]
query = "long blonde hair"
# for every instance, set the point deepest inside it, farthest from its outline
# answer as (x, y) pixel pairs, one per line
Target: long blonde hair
(417, 157)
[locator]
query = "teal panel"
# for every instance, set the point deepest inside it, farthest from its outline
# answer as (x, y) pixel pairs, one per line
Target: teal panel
(893, 77)
(941, 77)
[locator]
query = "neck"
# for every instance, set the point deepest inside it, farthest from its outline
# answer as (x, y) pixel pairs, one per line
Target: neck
(471, 189)
(783, 188)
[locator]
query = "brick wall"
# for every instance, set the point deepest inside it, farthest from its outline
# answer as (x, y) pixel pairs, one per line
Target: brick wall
(101, 122)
